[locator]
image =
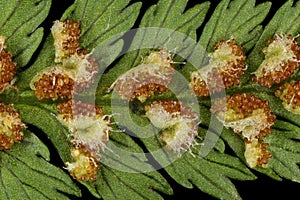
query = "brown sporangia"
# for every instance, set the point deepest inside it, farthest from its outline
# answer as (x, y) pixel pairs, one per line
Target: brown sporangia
(7, 66)
(178, 124)
(11, 126)
(282, 58)
(84, 167)
(289, 94)
(251, 118)
(152, 76)
(75, 70)
(89, 132)
(226, 66)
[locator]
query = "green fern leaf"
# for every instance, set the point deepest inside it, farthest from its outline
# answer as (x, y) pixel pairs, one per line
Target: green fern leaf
(19, 21)
(166, 14)
(27, 174)
(127, 169)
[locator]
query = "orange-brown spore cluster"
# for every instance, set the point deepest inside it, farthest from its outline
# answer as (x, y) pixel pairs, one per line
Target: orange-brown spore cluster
(235, 63)
(11, 126)
(85, 166)
(289, 93)
(89, 132)
(227, 65)
(76, 108)
(54, 86)
(250, 117)
(71, 29)
(7, 66)
(66, 39)
(282, 58)
(151, 77)
(200, 86)
(75, 70)
(170, 106)
(148, 90)
(256, 153)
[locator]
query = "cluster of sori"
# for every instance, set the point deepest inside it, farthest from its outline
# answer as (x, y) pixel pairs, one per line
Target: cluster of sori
(250, 117)
(226, 65)
(89, 129)
(178, 124)
(75, 71)
(246, 114)
(11, 125)
(282, 59)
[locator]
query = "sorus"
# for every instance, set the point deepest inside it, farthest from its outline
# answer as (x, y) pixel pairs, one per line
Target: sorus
(250, 117)
(178, 124)
(11, 126)
(75, 70)
(88, 126)
(256, 153)
(150, 77)
(66, 39)
(84, 167)
(245, 114)
(7, 66)
(289, 93)
(282, 58)
(226, 66)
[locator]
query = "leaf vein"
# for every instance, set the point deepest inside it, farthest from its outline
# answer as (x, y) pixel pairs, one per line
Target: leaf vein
(11, 14)
(106, 31)
(3, 185)
(249, 19)
(284, 164)
(107, 183)
(207, 178)
(17, 178)
(84, 10)
(128, 186)
(214, 29)
(97, 18)
(234, 17)
(35, 170)
(28, 20)
(165, 18)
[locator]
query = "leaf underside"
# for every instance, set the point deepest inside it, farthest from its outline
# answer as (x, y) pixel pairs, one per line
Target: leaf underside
(26, 171)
